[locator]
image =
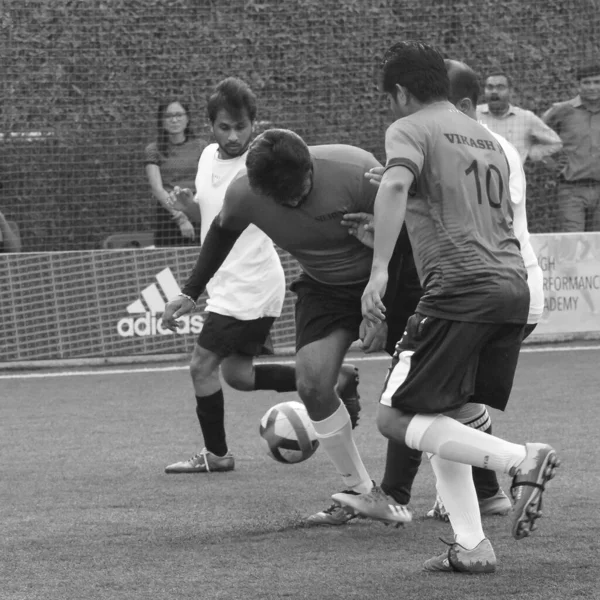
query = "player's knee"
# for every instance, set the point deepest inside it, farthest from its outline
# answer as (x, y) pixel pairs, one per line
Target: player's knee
(201, 368)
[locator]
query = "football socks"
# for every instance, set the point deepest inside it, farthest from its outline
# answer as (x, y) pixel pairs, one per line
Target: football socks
(335, 435)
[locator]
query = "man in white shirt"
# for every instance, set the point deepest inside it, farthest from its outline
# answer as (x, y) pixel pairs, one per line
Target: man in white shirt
(246, 294)
(522, 128)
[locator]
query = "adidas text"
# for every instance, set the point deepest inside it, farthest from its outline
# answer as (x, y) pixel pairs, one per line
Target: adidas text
(150, 324)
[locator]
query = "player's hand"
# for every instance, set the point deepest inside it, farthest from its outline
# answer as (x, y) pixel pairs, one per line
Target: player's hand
(360, 225)
(174, 309)
(187, 229)
(374, 175)
(373, 309)
(372, 337)
(180, 198)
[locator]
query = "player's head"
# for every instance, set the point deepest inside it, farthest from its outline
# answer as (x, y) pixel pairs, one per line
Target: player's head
(279, 166)
(497, 91)
(231, 110)
(413, 75)
(588, 78)
(172, 119)
(464, 87)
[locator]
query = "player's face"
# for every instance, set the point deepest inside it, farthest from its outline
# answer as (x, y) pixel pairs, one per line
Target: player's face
(175, 119)
(497, 93)
(232, 133)
(589, 88)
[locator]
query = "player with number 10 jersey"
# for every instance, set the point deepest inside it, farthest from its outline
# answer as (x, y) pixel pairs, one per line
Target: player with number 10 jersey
(459, 217)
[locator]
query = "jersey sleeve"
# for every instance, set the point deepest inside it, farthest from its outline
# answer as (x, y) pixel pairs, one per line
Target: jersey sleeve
(405, 146)
(151, 154)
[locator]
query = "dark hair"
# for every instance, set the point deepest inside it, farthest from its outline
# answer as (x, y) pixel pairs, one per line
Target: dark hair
(418, 67)
(277, 163)
(233, 95)
(508, 78)
(163, 136)
(587, 71)
(464, 82)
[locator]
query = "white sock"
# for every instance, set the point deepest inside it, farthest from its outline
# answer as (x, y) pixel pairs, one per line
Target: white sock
(455, 487)
(454, 441)
(335, 435)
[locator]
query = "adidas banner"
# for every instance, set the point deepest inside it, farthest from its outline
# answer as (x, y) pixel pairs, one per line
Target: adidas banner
(103, 303)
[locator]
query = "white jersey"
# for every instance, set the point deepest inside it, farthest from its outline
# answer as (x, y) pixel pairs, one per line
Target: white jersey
(250, 283)
(518, 187)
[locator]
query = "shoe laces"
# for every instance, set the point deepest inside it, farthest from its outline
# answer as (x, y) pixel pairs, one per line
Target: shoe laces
(204, 455)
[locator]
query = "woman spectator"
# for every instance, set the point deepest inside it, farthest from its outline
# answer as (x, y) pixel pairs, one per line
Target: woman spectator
(172, 161)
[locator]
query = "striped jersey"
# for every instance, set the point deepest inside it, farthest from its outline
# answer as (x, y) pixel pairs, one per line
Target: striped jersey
(459, 217)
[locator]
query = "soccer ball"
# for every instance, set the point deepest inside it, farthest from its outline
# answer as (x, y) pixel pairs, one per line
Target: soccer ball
(288, 432)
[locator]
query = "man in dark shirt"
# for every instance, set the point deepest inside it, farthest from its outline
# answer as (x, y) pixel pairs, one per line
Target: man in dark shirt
(577, 121)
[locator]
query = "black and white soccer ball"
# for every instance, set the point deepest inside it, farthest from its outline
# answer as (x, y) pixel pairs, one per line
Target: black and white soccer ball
(288, 432)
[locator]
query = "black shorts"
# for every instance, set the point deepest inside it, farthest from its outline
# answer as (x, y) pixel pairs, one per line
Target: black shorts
(440, 365)
(322, 309)
(226, 335)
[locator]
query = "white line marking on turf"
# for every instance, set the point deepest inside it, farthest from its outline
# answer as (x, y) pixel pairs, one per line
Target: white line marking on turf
(101, 371)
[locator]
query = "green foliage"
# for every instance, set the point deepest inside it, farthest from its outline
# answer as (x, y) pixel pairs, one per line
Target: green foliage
(92, 73)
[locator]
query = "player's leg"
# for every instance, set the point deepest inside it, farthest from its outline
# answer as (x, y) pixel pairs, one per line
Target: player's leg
(438, 363)
(327, 322)
(492, 499)
(216, 341)
(241, 372)
(571, 203)
(318, 365)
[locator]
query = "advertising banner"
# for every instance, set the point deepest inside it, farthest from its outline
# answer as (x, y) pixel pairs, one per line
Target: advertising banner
(571, 266)
(102, 303)
(108, 303)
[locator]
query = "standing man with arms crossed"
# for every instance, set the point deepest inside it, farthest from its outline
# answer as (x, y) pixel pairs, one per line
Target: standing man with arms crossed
(448, 177)
(577, 121)
(246, 294)
(297, 195)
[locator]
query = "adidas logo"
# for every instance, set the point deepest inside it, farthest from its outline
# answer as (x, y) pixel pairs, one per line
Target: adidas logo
(151, 304)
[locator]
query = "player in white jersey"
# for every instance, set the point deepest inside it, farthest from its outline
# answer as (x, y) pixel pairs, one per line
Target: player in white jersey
(246, 294)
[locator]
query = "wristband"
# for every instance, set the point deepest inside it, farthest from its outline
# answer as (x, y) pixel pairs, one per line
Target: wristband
(188, 298)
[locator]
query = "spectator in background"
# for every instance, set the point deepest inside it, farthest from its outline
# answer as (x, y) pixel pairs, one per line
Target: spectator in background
(527, 132)
(172, 161)
(9, 240)
(577, 121)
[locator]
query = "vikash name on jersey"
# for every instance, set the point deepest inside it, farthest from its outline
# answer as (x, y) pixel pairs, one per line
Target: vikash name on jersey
(455, 138)
(148, 323)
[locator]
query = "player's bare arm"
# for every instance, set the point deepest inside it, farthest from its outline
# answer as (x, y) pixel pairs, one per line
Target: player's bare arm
(224, 231)
(390, 209)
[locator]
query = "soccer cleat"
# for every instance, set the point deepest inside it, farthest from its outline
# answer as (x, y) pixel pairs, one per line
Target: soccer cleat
(334, 515)
(349, 395)
(376, 505)
(529, 481)
(480, 559)
(205, 462)
(498, 504)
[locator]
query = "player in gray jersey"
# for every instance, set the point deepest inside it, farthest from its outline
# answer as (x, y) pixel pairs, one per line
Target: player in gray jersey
(297, 196)
(447, 177)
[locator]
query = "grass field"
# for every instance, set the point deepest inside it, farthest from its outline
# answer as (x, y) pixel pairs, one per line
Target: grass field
(87, 511)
